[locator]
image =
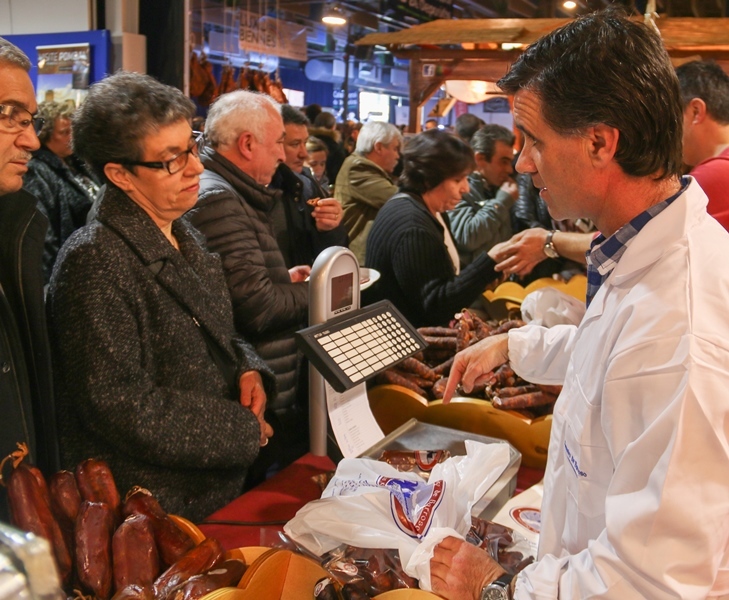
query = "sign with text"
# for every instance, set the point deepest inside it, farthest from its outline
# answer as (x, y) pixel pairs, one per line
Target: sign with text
(267, 35)
(420, 10)
(63, 73)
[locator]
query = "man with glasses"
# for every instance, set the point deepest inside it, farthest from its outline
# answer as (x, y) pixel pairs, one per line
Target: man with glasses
(26, 399)
(244, 145)
(306, 220)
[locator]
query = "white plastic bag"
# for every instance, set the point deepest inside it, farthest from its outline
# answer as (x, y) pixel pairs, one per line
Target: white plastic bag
(549, 306)
(370, 504)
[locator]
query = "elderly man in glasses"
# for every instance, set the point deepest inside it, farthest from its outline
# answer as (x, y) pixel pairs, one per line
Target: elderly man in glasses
(151, 375)
(26, 399)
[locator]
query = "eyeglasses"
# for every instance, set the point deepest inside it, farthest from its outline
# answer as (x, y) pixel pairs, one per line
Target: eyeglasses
(14, 119)
(177, 162)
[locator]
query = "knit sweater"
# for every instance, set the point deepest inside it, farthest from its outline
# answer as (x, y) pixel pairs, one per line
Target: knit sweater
(416, 272)
(136, 384)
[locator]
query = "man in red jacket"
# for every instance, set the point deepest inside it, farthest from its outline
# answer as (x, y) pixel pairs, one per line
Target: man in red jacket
(705, 96)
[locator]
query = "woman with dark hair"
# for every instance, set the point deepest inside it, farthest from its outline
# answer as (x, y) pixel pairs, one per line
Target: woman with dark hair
(150, 374)
(410, 243)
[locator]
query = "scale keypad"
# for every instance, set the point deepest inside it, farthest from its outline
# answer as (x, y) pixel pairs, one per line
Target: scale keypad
(350, 349)
(369, 346)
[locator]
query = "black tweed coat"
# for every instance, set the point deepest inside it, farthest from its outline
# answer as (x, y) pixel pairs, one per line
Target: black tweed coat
(136, 384)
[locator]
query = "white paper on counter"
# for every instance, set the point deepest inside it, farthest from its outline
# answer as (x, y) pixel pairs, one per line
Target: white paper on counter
(523, 514)
(352, 420)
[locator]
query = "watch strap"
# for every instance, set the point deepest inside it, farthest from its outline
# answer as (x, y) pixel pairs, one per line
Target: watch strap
(549, 248)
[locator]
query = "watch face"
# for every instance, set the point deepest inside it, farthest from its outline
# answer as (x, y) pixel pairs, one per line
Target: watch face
(550, 251)
(494, 592)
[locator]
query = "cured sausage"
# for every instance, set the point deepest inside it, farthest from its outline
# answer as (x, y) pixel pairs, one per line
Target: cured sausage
(438, 331)
(96, 484)
(30, 510)
(419, 368)
(65, 498)
(523, 401)
(443, 343)
(172, 542)
(198, 560)
(392, 377)
(134, 553)
(94, 528)
(226, 574)
(134, 592)
(517, 390)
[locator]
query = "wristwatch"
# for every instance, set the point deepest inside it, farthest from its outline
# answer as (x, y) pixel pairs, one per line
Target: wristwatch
(549, 248)
(498, 589)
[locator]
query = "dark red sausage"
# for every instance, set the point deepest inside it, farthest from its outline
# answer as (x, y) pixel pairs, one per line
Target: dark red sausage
(94, 528)
(524, 401)
(198, 560)
(30, 510)
(226, 574)
(172, 542)
(134, 553)
(96, 484)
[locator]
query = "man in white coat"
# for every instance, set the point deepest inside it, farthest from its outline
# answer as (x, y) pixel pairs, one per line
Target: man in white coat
(636, 490)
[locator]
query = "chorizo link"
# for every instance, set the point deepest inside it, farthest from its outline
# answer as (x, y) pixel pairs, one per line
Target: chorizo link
(65, 498)
(30, 510)
(413, 365)
(96, 484)
(444, 343)
(172, 542)
(517, 390)
(134, 553)
(226, 574)
(524, 401)
(94, 528)
(445, 367)
(437, 331)
(202, 557)
(392, 377)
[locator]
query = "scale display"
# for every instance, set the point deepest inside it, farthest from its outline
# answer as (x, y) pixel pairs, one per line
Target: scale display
(350, 349)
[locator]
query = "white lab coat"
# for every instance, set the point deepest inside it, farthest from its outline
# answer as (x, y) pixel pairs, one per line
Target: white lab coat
(636, 501)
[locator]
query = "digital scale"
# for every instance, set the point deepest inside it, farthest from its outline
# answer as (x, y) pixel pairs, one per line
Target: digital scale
(346, 345)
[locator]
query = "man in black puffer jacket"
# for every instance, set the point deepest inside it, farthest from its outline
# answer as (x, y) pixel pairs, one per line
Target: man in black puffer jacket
(245, 133)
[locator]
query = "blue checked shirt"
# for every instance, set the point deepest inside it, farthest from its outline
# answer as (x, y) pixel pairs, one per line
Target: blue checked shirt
(605, 252)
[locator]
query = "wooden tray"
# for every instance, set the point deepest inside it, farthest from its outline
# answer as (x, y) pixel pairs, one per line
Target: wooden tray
(393, 405)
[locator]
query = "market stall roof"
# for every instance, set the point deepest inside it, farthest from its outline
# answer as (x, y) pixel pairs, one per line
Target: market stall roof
(471, 49)
(677, 33)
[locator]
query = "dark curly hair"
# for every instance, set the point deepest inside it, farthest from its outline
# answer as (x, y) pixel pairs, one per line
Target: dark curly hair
(431, 157)
(119, 112)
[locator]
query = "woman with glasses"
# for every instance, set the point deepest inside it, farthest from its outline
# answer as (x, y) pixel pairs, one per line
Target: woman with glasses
(150, 373)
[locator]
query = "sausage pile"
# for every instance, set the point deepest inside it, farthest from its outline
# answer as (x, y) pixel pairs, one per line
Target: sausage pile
(102, 545)
(426, 373)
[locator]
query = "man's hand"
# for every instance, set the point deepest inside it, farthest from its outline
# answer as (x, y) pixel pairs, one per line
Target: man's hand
(459, 571)
(520, 254)
(510, 187)
(299, 273)
(327, 214)
(253, 397)
(475, 365)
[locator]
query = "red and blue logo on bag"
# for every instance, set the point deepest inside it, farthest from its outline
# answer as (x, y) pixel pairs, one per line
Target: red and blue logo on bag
(413, 504)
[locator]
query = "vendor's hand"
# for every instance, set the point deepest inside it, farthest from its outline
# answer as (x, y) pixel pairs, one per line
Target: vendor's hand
(327, 214)
(475, 365)
(459, 571)
(299, 273)
(523, 252)
(253, 397)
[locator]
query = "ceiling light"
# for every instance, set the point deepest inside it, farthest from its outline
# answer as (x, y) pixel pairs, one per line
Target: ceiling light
(569, 4)
(333, 15)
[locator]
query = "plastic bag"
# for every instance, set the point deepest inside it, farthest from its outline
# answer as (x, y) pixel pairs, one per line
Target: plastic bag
(549, 306)
(370, 504)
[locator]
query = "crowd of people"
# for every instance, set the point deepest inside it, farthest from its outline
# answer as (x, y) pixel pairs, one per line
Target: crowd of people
(169, 347)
